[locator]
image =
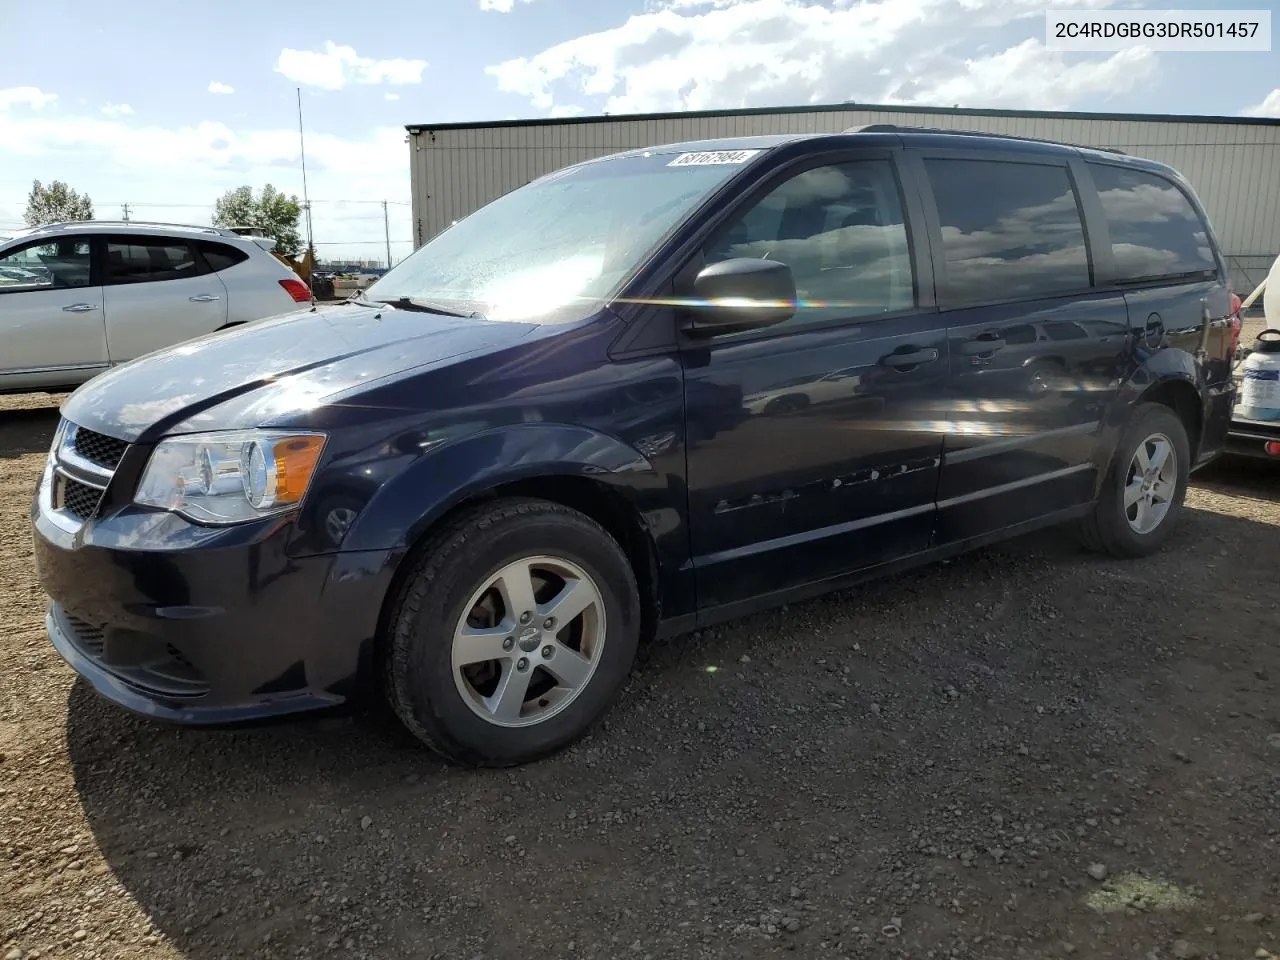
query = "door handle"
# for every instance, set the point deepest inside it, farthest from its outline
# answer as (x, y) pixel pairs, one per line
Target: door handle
(203, 298)
(79, 308)
(973, 348)
(911, 358)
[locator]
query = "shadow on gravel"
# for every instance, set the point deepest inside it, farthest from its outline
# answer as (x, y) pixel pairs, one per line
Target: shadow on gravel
(26, 430)
(180, 813)
(1249, 476)
(943, 753)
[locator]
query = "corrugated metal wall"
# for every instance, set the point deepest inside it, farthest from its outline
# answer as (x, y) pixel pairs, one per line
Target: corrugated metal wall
(1235, 168)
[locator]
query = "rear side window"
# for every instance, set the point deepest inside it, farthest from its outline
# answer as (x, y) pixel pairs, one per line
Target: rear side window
(1155, 231)
(147, 260)
(219, 256)
(1010, 231)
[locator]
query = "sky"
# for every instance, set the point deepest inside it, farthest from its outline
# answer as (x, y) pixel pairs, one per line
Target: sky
(167, 107)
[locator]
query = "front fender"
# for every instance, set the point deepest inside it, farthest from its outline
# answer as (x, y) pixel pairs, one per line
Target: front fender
(407, 503)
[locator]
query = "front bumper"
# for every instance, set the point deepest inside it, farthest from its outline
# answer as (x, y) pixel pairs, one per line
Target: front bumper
(193, 625)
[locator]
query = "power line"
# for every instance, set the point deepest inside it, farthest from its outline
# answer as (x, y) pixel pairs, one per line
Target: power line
(347, 243)
(203, 206)
(185, 206)
(399, 203)
(362, 217)
(128, 207)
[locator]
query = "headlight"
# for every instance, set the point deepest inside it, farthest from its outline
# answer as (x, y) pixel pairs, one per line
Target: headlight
(230, 477)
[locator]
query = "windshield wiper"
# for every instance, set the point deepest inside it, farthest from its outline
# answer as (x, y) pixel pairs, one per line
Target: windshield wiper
(426, 306)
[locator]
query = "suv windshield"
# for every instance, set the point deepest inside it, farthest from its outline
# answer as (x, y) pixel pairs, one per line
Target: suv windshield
(553, 249)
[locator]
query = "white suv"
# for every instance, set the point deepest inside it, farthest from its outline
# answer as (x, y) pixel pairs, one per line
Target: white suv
(77, 298)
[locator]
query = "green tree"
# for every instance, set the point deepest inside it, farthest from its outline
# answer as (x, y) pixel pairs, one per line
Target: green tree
(271, 212)
(56, 203)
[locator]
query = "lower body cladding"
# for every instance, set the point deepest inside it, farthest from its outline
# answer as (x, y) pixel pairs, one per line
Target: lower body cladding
(216, 634)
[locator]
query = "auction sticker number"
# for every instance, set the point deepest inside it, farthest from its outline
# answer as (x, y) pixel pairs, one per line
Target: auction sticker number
(712, 157)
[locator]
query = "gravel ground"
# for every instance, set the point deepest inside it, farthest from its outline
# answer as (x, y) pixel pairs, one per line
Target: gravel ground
(1028, 752)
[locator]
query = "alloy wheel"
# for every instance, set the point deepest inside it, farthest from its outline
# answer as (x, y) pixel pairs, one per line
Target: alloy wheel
(529, 641)
(1151, 483)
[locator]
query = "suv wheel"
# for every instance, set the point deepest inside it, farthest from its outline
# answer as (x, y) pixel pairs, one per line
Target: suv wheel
(1142, 495)
(513, 633)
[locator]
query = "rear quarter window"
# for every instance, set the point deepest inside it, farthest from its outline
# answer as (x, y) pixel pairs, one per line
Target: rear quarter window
(219, 256)
(1155, 231)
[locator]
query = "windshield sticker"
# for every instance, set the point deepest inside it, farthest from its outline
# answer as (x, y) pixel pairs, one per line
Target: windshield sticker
(712, 157)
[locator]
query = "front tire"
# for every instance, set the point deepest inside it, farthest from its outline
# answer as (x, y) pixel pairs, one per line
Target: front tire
(1146, 483)
(512, 634)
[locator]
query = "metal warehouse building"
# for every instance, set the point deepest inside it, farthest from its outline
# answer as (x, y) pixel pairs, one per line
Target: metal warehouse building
(1234, 163)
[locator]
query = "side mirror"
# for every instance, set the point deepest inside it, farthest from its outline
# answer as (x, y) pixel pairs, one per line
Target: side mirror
(740, 294)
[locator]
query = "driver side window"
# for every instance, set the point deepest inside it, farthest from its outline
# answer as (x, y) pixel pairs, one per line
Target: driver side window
(841, 230)
(46, 265)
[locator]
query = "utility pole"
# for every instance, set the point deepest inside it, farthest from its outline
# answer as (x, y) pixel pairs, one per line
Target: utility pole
(302, 150)
(386, 228)
(125, 208)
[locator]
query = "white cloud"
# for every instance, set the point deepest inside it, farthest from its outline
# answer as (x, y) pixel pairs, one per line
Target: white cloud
(220, 88)
(32, 97)
(176, 173)
(117, 110)
(206, 149)
(567, 110)
(500, 6)
(1030, 76)
(391, 96)
(1269, 107)
(705, 54)
(338, 66)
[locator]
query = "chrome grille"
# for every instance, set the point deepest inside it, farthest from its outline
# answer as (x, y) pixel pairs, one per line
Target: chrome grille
(81, 465)
(99, 448)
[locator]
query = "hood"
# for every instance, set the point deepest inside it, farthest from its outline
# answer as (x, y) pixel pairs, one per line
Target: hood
(275, 369)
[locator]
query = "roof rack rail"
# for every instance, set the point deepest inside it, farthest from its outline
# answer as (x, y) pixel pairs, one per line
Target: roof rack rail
(219, 231)
(900, 128)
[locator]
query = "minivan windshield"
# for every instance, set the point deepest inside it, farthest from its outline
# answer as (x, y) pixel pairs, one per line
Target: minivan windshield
(552, 250)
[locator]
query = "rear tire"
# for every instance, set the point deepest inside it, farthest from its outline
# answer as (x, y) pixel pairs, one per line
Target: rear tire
(1146, 483)
(478, 666)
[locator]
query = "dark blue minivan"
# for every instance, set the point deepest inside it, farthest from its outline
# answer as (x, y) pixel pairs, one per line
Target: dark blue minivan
(637, 396)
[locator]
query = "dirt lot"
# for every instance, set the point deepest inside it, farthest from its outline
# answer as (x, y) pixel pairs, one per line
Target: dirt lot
(1028, 752)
